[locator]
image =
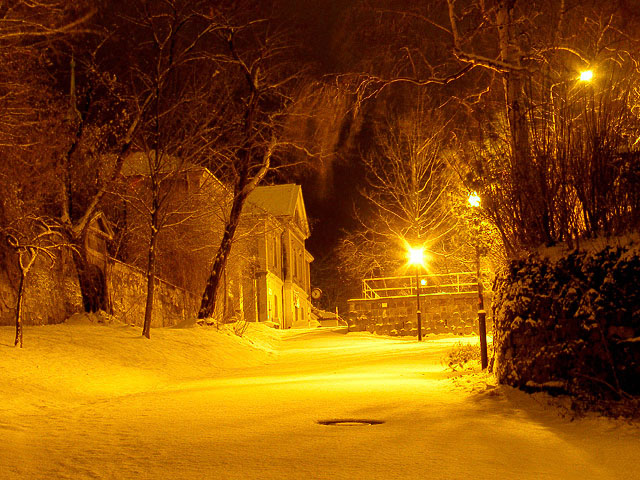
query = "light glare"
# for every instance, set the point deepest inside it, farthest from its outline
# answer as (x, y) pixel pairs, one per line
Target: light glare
(586, 76)
(416, 256)
(474, 200)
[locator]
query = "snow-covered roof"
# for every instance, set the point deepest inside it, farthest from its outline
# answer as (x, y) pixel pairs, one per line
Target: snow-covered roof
(100, 225)
(280, 201)
(277, 200)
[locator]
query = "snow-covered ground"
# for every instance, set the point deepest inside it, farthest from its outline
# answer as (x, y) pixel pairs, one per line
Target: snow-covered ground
(83, 400)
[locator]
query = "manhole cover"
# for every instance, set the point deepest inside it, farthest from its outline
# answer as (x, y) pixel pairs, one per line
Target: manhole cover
(349, 422)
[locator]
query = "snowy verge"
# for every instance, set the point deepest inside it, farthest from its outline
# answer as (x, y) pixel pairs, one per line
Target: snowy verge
(91, 357)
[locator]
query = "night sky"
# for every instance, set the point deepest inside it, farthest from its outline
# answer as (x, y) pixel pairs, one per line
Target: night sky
(330, 206)
(330, 196)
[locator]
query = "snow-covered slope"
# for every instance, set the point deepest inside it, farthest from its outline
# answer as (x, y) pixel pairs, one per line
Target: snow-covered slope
(85, 400)
(83, 360)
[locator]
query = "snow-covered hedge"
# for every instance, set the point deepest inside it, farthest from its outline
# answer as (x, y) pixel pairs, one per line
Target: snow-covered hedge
(572, 324)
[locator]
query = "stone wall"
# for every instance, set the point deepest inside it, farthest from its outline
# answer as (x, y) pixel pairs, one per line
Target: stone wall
(52, 295)
(572, 325)
(51, 292)
(441, 313)
(127, 290)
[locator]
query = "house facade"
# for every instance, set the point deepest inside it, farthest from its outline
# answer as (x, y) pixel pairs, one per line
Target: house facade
(276, 287)
(267, 276)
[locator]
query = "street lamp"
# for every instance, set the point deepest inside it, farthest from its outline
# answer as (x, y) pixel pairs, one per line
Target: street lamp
(415, 256)
(586, 76)
(474, 201)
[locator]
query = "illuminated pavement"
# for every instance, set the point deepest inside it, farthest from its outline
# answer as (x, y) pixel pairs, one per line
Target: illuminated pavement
(261, 423)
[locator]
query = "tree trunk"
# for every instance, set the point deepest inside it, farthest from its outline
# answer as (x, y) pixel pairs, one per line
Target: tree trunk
(525, 194)
(207, 305)
(24, 270)
(245, 184)
(514, 97)
(91, 280)
(18, 340)
(151, 275)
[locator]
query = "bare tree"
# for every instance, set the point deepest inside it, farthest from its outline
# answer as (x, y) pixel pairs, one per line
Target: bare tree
(31, 126)
(540, 154)
(408, 193)
(175, 212)
(35, 237)
(264, 81)
(574, 128)
(141, 81)
(92, 160)
(175, 71)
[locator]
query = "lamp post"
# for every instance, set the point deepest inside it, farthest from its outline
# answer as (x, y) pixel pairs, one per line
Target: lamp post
(416, 258)
(474, 201)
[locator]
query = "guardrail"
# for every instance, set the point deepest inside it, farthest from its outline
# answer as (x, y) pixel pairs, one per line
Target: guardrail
(405, 286)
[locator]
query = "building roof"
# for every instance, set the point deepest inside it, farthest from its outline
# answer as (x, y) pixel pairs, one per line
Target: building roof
(279, 201)
(100, 226)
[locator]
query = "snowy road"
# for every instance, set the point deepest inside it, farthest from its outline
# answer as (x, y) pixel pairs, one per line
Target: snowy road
(260, 422)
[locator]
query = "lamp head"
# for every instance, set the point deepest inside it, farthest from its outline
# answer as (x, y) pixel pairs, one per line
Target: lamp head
(415, 256)
(586, 76)
(474, 199)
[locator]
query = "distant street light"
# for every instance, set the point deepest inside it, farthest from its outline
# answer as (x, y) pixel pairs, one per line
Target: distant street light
(585, 76)
(415, 257)
(474, 201)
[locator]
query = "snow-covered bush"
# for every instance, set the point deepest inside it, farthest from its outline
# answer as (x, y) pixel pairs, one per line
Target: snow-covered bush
(463, 356)
(571, 325)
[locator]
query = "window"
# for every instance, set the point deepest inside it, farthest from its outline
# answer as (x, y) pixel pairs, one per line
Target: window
(275, 251)
(270, 249)
(275, 301)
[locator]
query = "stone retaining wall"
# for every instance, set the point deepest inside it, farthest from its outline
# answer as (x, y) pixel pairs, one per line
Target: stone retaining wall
(51, 292)
(52, 295)
(441, 313)
(127, 290)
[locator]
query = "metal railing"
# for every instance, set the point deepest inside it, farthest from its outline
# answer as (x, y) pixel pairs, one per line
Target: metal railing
(404, 286)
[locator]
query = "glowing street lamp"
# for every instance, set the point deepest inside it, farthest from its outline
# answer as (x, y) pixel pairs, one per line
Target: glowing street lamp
(415, 256)
(586, 76)
(474, 201)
